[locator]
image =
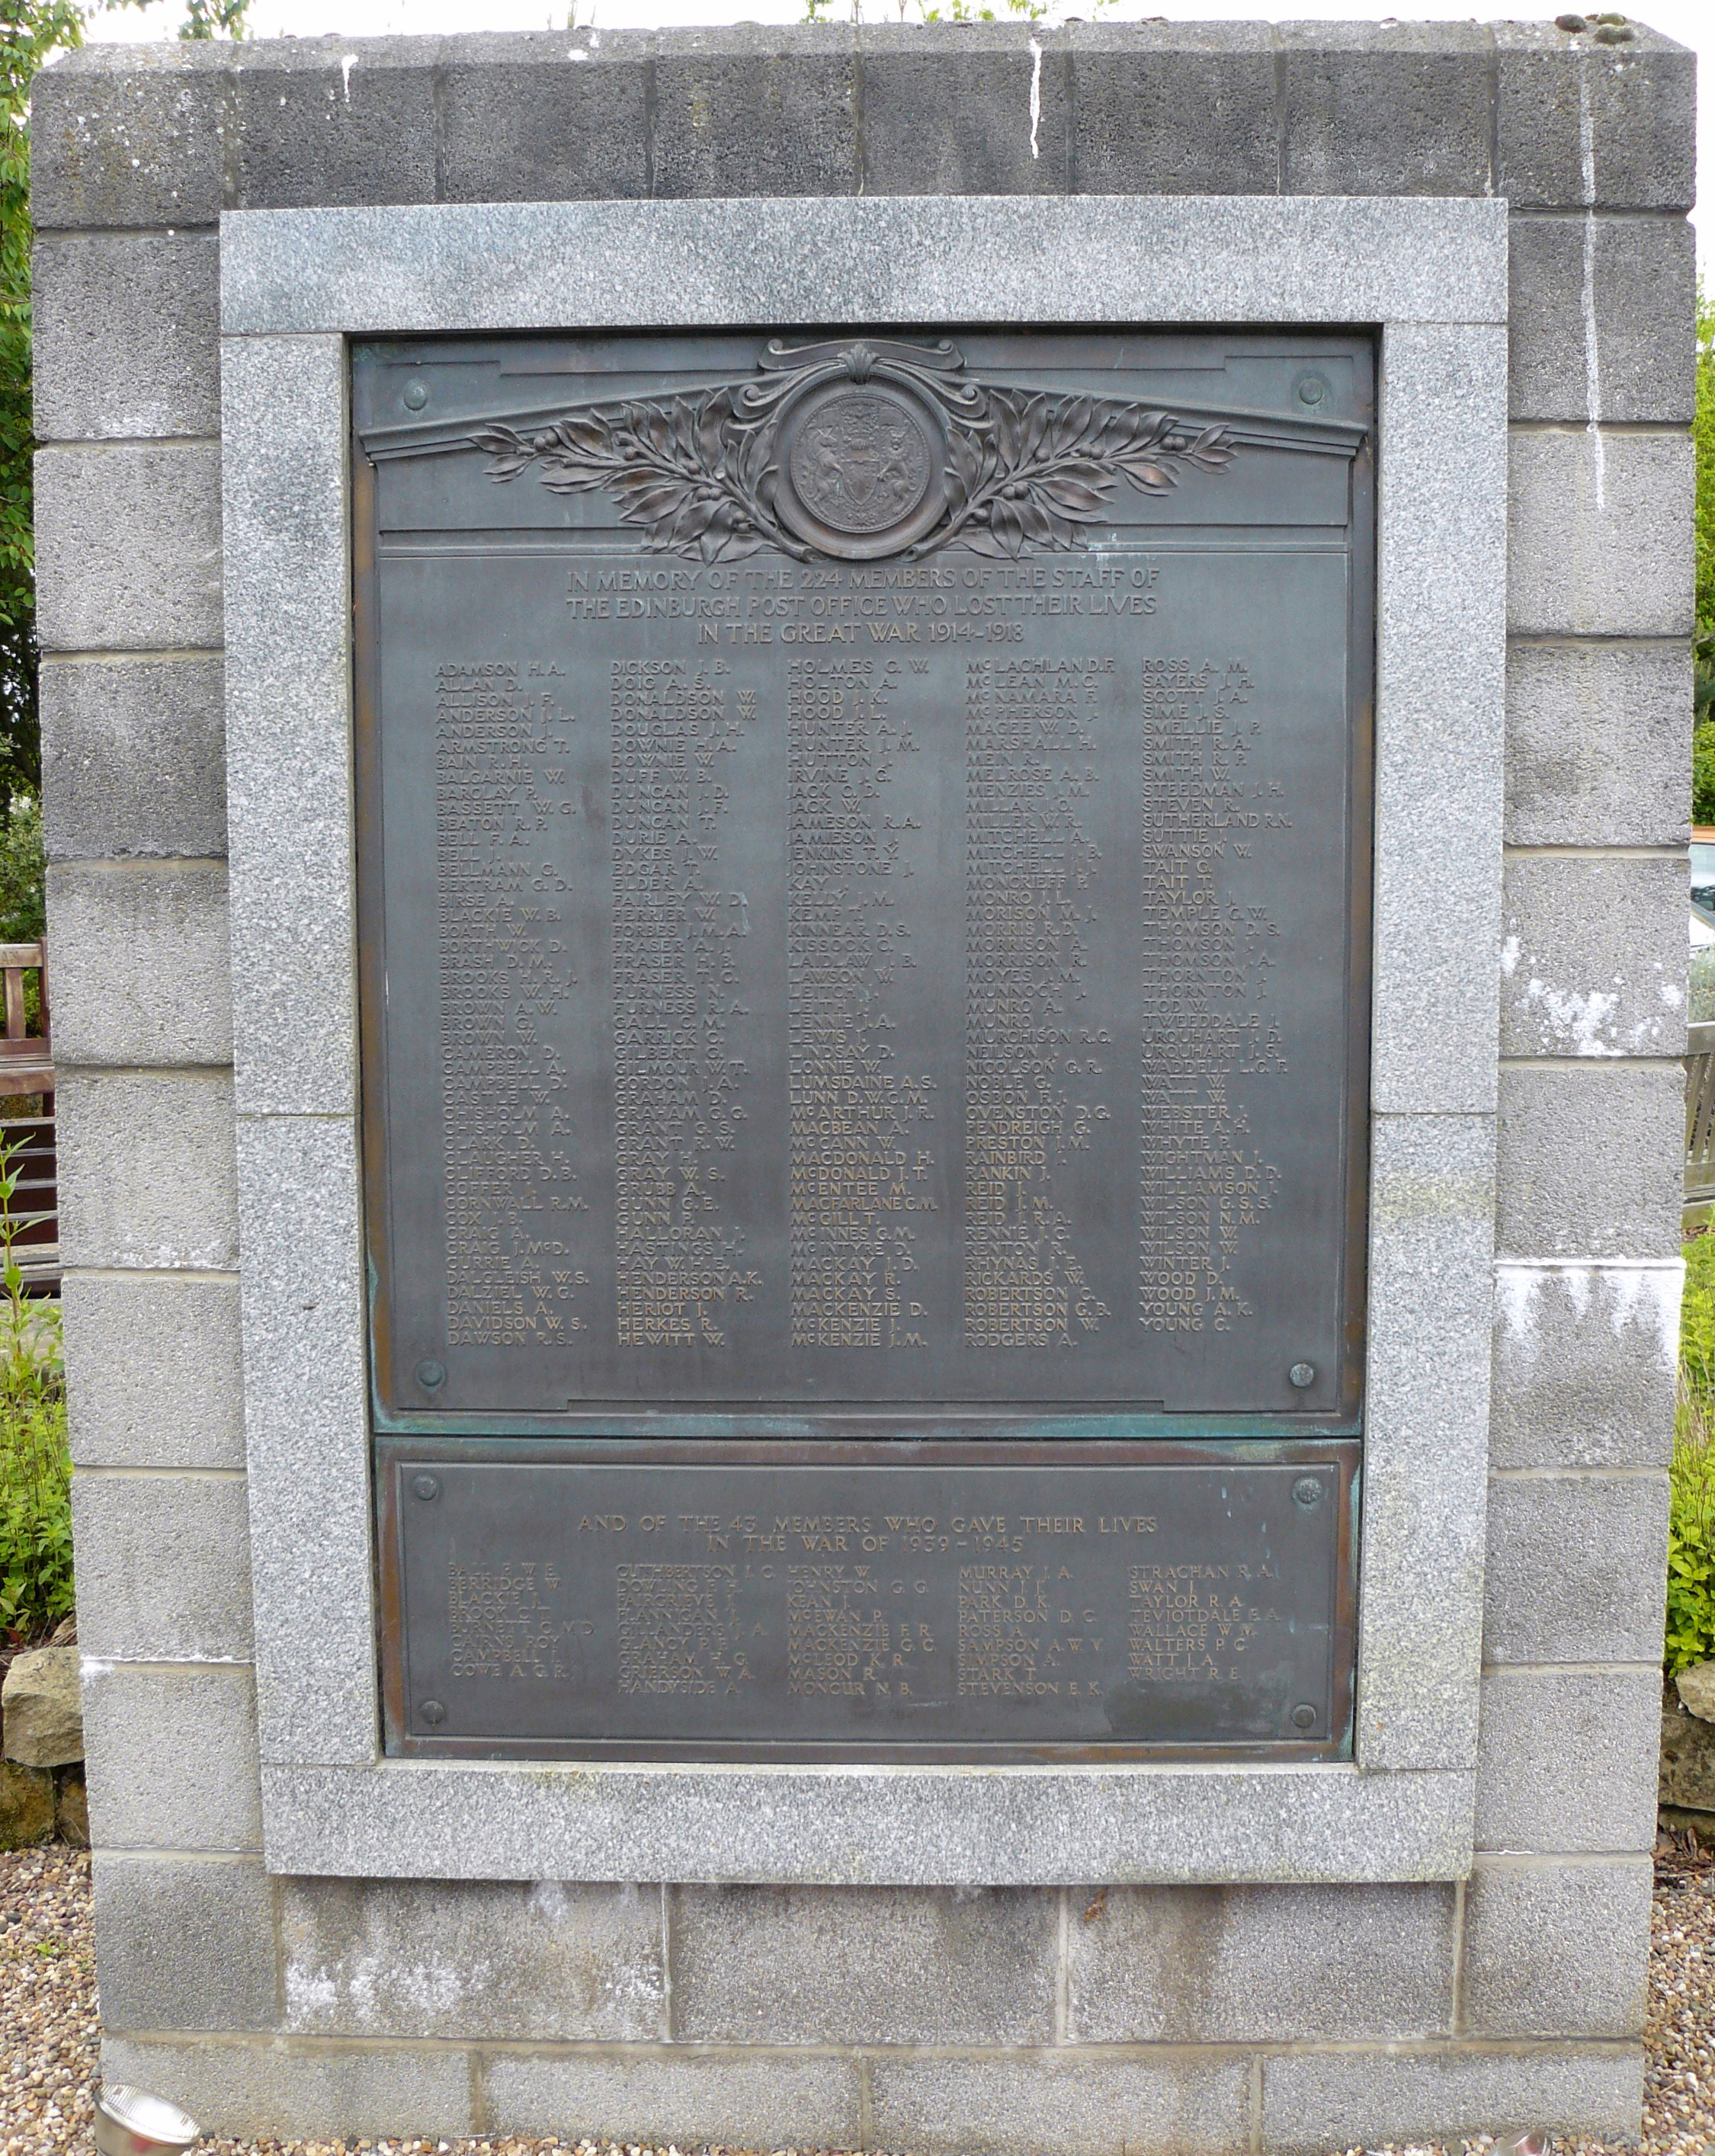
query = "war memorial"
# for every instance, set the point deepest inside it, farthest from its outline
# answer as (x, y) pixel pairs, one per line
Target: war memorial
(879, 1352)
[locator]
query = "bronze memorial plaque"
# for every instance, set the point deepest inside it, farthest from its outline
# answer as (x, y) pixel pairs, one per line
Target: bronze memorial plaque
(863, 860)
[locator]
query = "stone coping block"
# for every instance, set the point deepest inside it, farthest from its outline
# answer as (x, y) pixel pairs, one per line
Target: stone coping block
(1571, 129)
(979, 259)
(171, 135)
(1432, 274)
(901, 1826)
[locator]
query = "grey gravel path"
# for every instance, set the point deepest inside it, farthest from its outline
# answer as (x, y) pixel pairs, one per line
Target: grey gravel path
(50, 2034)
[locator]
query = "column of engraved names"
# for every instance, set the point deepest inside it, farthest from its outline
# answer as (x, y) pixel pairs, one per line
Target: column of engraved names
(1004, 1619)
(678, 1086)
(510, 1187)
(1188, 1626)
(1205, 962)
(677, 1629)
(837, 1640)
(1031, 869)
(859, 1174)
(502, 1623)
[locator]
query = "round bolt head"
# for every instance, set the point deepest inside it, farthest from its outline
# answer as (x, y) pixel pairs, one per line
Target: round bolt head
(416, 395)
(1306, 1492)
(1302, 1374)
(432, 1711)
(1312, 390)
(425, 1487)
(429, 1373)
(1304, 1717)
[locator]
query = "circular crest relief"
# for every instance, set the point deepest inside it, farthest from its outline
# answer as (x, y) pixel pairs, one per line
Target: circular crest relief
(862, 470)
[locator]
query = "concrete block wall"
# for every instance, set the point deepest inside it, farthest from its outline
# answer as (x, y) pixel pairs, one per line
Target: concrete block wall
(1277, 2018)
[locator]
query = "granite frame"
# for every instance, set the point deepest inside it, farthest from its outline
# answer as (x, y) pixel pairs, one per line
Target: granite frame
(1430, 276)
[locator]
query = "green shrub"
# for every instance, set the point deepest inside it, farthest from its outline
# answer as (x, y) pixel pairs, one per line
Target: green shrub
(1703, 748)
(35, 1463)
(23, 872)
(1690, 1532)
(1697, 1316)
(35, 1518)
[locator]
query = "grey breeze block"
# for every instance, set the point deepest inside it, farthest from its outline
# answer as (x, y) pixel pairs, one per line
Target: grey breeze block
(326, 2006)
(129, 140)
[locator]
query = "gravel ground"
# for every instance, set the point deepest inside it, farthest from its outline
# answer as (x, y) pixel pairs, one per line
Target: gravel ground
(49, 2031)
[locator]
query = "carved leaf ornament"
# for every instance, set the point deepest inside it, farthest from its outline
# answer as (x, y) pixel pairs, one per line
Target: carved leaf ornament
(859, 450)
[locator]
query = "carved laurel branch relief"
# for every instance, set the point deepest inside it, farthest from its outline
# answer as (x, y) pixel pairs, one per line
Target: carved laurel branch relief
(859, 450)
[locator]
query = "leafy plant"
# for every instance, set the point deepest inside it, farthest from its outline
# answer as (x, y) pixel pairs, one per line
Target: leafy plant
(35, 1463)
(23, 870)
(1703, 438)
(203, 18)
(1697, 1318)
(1690, 1533)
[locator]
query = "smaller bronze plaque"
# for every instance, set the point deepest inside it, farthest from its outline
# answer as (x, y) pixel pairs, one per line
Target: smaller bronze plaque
(650, 1609)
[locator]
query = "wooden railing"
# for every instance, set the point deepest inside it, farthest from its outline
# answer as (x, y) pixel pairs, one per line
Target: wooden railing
(26, 1068)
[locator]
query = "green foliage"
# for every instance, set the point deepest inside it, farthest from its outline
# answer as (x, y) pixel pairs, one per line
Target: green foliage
(1703, 436)
(1691, 1538)
(1703, 748)
(35, 1462)
(1691, 1532)
(1697, 1317)
(23, 871)
(36, 1588)
(203, 18)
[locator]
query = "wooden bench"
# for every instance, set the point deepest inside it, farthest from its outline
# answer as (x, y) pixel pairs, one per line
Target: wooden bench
(26, 1068)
